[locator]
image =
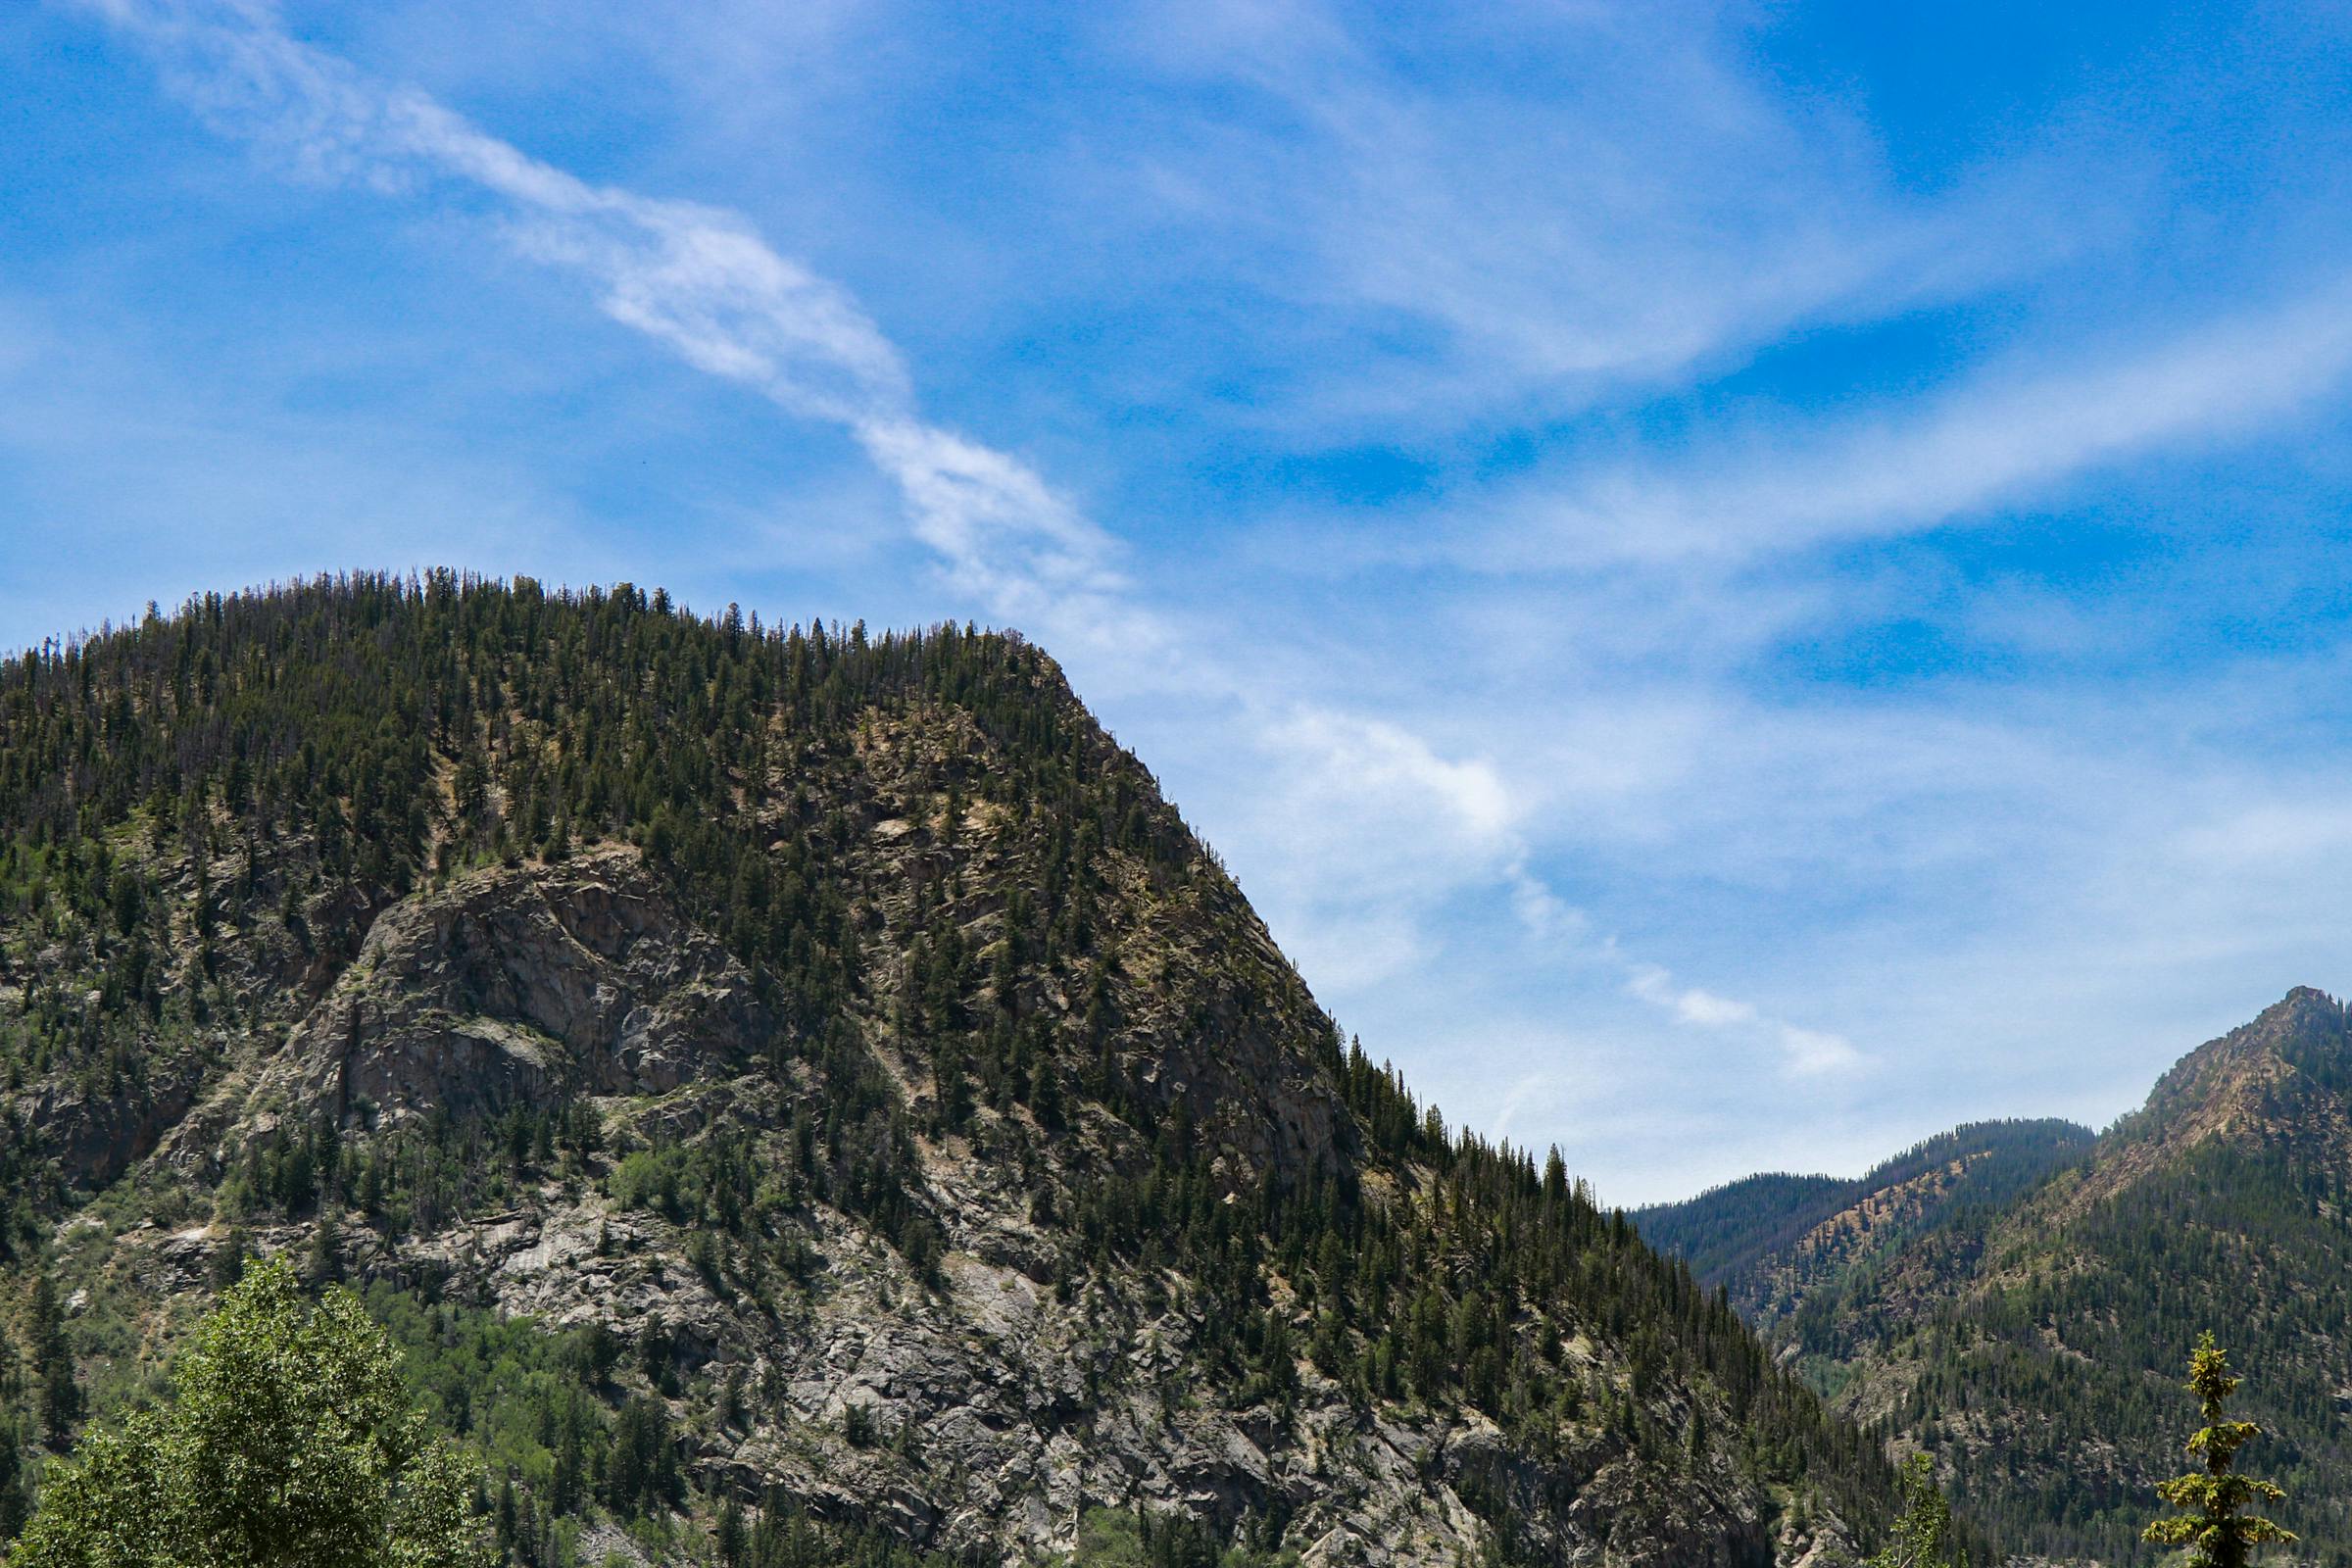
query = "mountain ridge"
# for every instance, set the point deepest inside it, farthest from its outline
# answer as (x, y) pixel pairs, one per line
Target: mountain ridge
(1769, 1239)
(2034, 1345)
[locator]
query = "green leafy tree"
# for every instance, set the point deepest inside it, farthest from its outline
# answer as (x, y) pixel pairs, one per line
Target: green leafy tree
(291, 1442)
(1922, 1535)
(2213, 1521)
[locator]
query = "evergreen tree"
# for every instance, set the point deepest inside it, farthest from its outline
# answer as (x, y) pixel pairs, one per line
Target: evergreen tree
(12, 1483)
(228, 1260)
(1424, 1264)
(1922, 1536)
(730, 1534)
(2213, 1521)
(59, 1396)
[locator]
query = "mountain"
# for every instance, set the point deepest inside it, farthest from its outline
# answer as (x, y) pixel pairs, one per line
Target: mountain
(1773, 1240)
(796, 1095)
(2035, 1344)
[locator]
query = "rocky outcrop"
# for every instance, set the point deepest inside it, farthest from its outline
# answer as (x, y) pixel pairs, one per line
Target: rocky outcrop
(993, 1410)
(95, 1133)
(523, 988)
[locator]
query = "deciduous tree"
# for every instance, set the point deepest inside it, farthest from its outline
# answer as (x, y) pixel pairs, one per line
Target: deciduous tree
(1922, 1535)
(291, 1444)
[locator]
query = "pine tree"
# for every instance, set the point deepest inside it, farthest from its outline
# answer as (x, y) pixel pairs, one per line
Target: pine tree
(228, 1260)
(1454, 1276)
(2213, 1522)
(729, 1535)
(59, 1396)
(12, 1483)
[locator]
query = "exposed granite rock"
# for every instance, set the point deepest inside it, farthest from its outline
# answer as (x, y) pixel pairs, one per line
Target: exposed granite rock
(96, 1135)
(502, 989)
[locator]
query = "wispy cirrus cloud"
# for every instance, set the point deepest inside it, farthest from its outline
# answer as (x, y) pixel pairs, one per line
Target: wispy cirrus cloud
(1568, 933)
(1806, 1052)
(1626, 200)
(1643, 296)
(698, 279)
(1994, 437)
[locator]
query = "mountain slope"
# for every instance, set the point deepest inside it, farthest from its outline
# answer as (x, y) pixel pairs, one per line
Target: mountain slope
(1773, 1240)
(2036, 1347)
(866, 1097)
(1726, 1231)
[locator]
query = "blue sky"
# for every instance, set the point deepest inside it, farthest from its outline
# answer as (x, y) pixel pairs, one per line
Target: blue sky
(1740, 583)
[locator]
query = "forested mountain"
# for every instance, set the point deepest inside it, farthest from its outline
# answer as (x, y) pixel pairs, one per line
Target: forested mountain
(2033, 1345)
(1773, 1240)
(1725, 1231)
(796, 1095)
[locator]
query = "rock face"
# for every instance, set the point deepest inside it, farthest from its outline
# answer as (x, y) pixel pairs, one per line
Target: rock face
(845, 1036)
(2280, 1077)
(540, 986)
(1001, 1404)
(94, 1136)
(505, 990)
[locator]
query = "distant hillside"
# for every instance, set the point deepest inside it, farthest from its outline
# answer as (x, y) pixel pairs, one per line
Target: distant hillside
(1725, 1231)
(2035, 1344)
(798, 1077)
(1773, 1240)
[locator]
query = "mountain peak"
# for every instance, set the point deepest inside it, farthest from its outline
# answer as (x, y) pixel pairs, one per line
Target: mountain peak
(846, 1022)
(2223, 1202)
(2300, 1003)
(2280, 1069)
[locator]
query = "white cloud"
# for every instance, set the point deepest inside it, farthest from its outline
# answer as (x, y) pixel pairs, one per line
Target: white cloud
(1628, 199)
(1711, 1012)
(702, 282)
(1991, 440)
(1358, 756)
(1812, 1051)
(697, 279)
(1805, 1052)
